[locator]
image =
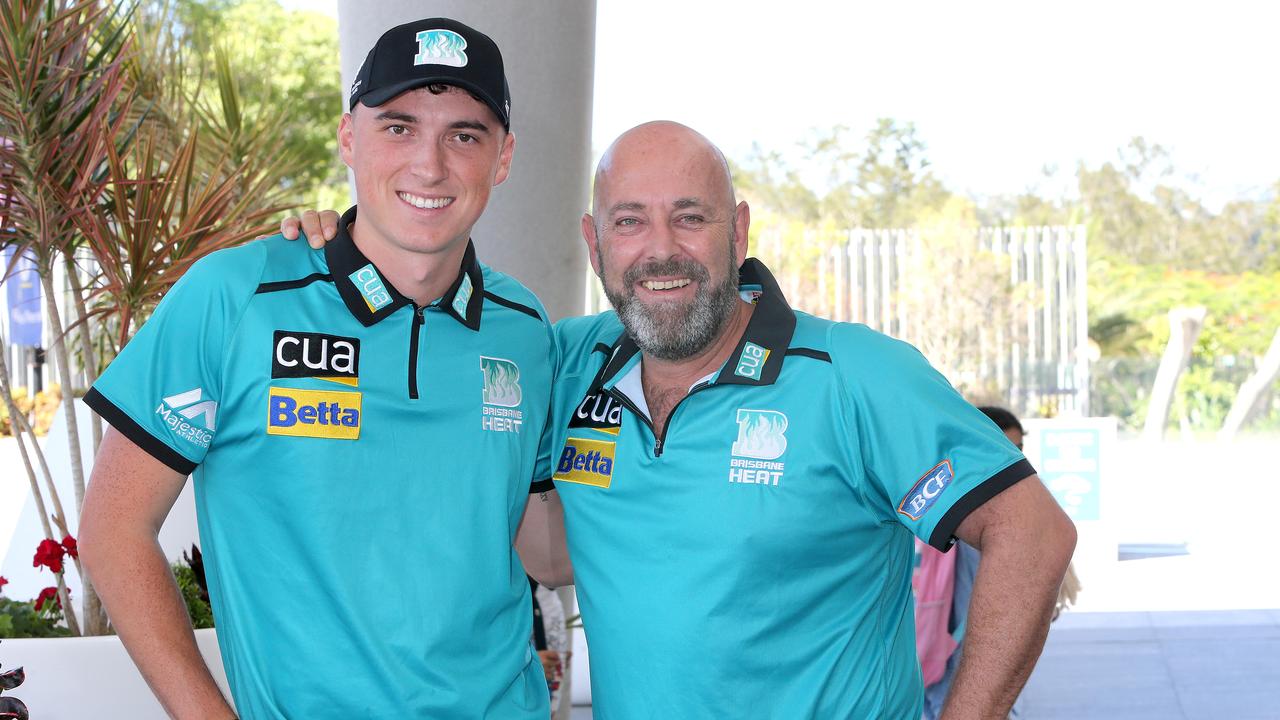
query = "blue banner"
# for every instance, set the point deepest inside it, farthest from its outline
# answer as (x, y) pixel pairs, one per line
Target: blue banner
(23, 293)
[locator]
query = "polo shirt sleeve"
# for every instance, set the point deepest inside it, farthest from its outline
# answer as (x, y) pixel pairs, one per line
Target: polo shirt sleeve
(547, 447)
(928, 456)
(164, 388)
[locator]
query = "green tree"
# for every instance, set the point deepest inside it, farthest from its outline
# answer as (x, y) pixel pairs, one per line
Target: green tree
(286, 64)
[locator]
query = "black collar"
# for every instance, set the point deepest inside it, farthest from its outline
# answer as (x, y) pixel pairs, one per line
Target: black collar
(757, 360)
(369, 296)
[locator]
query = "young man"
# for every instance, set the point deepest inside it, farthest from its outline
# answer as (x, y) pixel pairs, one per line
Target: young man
(742, 482)
(362, 423)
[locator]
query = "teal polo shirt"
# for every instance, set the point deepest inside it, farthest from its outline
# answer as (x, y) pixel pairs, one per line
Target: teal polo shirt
(754, 560)
(360, 467)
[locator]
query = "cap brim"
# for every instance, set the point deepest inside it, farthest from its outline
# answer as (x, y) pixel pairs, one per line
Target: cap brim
(382, 95)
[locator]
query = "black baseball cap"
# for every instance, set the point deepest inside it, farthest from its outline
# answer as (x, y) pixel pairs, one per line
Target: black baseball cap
(435, 50)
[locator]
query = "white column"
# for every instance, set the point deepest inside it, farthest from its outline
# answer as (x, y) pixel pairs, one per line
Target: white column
(530, 229)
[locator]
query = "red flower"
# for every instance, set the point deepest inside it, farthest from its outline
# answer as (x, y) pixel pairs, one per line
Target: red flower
(49, 554)
(3, 581)
(47, 594)
(69, 544)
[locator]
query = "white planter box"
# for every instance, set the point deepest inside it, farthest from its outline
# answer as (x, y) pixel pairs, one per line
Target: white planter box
(77, 678)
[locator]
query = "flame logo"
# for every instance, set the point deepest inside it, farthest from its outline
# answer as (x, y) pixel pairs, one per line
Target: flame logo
(441, 47)
(761, 434)
(501, 382)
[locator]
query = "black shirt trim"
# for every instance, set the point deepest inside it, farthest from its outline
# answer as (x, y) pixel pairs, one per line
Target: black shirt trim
(344, 258)
(513, 305)
(771, 327)
(138, 434)
(810, 353)
(944, 532)
(277, 286)
(541, 486)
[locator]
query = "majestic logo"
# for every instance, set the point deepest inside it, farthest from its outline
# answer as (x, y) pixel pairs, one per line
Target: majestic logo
(369, 283)
(441, 47)
(599, 412)
(751, 362)
(315, 355)
(501, 395)
(462, 297)
(190, 417)
(313, 413)
(925, 492)
(587, 462)
(761, 441)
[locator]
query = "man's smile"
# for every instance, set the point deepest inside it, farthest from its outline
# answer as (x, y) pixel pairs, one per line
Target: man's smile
(425, 203)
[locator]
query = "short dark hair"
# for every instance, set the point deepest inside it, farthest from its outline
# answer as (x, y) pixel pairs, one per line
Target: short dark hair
(1002, 418)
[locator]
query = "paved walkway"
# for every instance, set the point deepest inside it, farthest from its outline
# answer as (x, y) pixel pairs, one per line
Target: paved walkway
(1196, 665)
(1206, 665)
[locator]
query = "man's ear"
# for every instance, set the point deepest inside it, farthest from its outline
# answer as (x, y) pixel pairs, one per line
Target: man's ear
(741, 227)
(592, 240)
(504, 158)
(345, 139)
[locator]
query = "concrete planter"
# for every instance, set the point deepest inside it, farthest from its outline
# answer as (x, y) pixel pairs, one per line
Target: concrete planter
(77, 678)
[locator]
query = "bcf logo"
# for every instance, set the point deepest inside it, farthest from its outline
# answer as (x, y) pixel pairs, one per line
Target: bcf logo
(925, 492)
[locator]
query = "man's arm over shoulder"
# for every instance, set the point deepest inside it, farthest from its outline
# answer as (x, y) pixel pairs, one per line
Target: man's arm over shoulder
(129, 495)
(540, 541)
(1026, 541)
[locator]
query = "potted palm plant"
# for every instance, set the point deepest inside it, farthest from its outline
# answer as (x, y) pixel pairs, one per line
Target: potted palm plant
(118, 175)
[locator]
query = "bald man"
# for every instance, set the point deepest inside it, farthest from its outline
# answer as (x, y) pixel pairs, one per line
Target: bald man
(742, 483)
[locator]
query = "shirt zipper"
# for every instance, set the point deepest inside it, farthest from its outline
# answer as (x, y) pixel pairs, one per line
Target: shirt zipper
(414, 340)
(659, 441)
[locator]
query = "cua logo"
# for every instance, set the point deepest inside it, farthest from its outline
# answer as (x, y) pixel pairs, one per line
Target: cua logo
(751, 362)
(297, 354)
(369, 283)
(599, 411)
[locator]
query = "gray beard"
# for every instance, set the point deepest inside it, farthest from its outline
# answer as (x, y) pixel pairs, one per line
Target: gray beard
(669, 331)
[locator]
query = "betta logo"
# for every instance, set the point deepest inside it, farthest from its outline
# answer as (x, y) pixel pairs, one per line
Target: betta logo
(313, 413)
(587, 462)
(925, 492)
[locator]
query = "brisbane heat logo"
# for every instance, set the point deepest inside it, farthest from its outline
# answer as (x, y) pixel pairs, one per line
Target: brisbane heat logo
(501, 395)
(925, 492)
(761, 441)
(441, 47)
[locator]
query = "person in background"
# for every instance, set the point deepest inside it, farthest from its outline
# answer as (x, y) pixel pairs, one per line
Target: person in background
(550, 638)
(966, 571)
